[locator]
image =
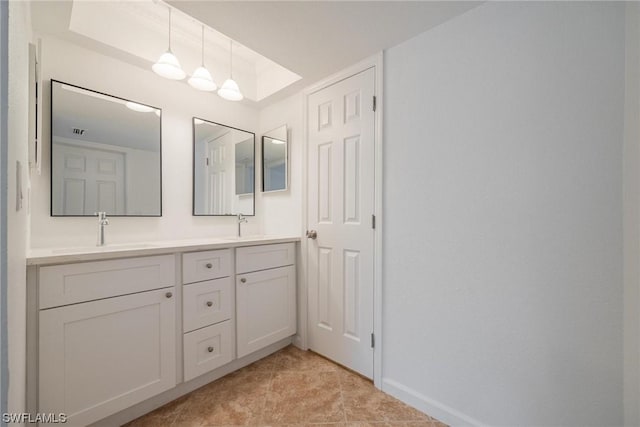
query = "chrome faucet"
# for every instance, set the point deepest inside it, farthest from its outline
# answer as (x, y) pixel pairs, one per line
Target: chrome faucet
(241, 219)
(102, 221)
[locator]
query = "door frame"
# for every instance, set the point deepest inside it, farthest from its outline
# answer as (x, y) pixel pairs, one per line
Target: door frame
(301, 340)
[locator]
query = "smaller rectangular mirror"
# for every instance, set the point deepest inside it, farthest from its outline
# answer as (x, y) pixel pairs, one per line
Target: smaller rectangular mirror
(223, 169)
(275, 163)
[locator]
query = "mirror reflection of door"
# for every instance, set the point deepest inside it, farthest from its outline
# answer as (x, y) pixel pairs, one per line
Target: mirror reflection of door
(218, 165)
(92, 180)
(223, 173)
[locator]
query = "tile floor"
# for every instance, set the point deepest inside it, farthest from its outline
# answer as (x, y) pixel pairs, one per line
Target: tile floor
(289, 388)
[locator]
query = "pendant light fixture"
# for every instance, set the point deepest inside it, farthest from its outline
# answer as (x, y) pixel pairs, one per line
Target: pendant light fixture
(230, 90)
(168, 65)
(201, 78)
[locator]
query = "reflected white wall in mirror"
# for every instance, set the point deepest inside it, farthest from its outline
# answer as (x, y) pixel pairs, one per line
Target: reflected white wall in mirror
(105, 154)
(275, 162)
(223, 169)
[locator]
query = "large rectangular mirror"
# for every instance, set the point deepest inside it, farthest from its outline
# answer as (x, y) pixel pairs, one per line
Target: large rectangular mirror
(105, 154)
(275, 164)
(223, 169)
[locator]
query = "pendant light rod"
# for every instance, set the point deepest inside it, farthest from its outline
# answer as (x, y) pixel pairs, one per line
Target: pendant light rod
(231, 59)
(169, 29)
(203, 45)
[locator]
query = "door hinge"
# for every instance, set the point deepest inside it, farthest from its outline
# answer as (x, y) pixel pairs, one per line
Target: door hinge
(373, 222)
(373, 340)
(207, 161)
(375, 102)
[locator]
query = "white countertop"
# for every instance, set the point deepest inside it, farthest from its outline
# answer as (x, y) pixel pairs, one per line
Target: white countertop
(45, 256)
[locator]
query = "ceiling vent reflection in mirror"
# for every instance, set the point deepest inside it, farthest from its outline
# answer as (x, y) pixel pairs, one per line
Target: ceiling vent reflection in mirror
(142, 33)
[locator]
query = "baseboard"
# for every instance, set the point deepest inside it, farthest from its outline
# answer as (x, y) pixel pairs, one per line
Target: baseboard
(298, 342)
(427, 405)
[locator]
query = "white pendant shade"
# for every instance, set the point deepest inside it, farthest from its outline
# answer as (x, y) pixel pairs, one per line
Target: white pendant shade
(201, 79)
(230, 91)
(169, 67)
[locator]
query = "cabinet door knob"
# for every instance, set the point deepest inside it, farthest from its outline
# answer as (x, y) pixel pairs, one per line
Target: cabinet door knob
(209, 303)
(168, 295)
(209, 265)
(243, 280)
(210, 349)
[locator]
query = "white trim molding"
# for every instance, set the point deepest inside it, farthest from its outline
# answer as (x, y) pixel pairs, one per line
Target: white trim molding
(430, 406)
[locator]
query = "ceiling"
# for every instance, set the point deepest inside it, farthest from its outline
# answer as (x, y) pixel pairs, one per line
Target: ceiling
(315, 39)
(289, 45)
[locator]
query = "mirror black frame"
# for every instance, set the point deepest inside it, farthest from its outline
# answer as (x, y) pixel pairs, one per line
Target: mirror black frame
(193, 168)
(52, 81)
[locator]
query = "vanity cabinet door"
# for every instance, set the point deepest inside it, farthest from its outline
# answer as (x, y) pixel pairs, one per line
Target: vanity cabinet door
(99, 357)
(266, 308)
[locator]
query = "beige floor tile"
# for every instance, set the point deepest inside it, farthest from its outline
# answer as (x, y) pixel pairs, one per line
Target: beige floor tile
(237, 399)
(267, 364)
(363, 402)
(294, 359)
(291, 388)
(296, 397)
(164, 415)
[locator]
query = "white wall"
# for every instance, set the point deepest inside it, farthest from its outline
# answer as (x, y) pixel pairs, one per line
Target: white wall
(503, 216)
(179, 102)
(17, 220)
(283, 209)
(631, 191)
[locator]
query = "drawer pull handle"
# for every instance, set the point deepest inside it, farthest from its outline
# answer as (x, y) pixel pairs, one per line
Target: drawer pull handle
(209, 303)
(243, 280)
(210, 349)
(168, 295)
(209, 265)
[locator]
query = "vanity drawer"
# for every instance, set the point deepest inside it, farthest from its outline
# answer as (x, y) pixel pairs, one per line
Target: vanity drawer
(206, 303)
(254, 258)
(74, 283)
(206, 265)
(207, 349)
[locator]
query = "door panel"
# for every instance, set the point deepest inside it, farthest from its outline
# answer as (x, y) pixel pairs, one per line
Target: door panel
(341, 202)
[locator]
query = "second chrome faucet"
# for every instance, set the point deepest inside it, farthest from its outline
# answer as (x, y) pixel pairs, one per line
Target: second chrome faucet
(241, 219)
(102, 221)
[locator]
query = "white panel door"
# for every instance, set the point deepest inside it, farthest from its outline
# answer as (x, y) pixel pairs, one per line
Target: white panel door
(100, 357)
(341, 204)
(90, 180)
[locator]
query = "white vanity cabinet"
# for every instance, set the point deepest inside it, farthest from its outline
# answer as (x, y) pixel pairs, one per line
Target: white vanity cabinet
(112, 343)
(113, 332)
(207, 302)
(265, 295)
